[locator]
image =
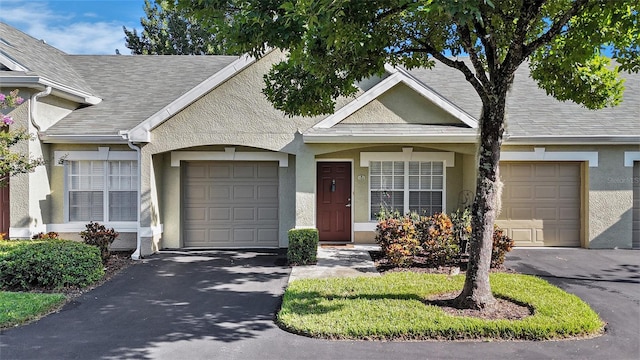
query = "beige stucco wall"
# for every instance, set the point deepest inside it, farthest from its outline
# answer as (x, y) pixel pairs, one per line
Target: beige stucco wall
(401, 105)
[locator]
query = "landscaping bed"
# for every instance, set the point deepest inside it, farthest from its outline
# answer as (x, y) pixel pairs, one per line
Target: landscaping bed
(409, 306)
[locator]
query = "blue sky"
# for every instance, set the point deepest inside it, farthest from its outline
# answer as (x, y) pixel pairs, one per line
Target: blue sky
(75, 27)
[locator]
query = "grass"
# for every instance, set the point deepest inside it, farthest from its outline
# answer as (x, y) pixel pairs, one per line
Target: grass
(392, 307)
(17, 308)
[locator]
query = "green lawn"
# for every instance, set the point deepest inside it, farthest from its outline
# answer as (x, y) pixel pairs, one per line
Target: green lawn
(19, 307)
(392, 307)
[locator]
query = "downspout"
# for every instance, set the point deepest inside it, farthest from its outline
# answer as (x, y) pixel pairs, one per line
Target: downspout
(137, 254)
(32, 106)
(32, 120)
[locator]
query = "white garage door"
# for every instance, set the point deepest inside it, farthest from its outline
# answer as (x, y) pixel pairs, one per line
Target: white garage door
(541, 203)
(230, 204)
(636, 205)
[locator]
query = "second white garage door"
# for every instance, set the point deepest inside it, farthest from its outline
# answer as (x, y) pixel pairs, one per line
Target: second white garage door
(230, 204)
(541, 203)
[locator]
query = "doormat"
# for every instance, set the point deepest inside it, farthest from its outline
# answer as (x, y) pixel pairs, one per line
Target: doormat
(336, 246)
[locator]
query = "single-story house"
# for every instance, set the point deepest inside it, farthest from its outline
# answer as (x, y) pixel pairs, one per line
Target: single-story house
(185, 152)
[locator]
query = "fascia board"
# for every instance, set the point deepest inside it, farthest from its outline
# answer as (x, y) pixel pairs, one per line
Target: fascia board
(397, 76)
(573, 140)
(141, 132)
(388, 139)
(38, 82)
(82, 139)
(10, 63)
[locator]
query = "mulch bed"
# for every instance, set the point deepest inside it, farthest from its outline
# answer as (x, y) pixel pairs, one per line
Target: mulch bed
(502, 309)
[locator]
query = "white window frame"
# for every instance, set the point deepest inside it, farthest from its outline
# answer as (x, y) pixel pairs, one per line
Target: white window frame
(407, 155)
(105, 155)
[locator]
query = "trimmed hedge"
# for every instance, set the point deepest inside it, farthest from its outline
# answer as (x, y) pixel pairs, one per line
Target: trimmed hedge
(51, 264)
(303, 246)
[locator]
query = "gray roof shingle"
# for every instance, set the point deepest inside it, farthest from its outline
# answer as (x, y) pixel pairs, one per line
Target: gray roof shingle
(40, 59)
(531, 112)
(133, 88)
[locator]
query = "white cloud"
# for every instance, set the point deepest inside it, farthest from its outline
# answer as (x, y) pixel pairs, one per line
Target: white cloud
(64, 30)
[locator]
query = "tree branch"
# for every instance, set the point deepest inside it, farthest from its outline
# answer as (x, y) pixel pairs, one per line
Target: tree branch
(459, 65)
(555, 29)
(465, 35)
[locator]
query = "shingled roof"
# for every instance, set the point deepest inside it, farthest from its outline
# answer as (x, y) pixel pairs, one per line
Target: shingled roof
(133, 88)
(37, 58)
(531, 112)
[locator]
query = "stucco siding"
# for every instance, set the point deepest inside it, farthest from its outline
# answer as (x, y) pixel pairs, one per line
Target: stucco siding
(610, 200)
(401, 105)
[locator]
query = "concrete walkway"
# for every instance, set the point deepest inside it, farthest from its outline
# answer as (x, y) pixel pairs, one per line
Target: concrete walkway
(338, 261)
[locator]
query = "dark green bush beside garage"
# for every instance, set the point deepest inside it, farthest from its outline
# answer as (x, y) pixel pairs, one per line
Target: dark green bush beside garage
(53, 264)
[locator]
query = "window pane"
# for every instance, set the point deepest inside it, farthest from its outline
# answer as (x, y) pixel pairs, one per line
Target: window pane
(425, 182)
(398, 182)
(425, 202)
(123, 206)
(414, 182)
(387, 200)
(86, 206)
(414, 168)
(398, 167)
(387, 182)
(425, 168)
(375, 168)
(375, 182)
(436, 182)
(437, 168)
(387, 168)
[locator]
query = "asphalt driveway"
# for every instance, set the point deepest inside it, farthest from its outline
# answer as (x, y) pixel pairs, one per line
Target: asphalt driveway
(220, 305)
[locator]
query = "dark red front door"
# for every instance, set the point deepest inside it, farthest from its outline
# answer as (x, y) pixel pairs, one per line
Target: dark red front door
(4, 210)
(334, 201)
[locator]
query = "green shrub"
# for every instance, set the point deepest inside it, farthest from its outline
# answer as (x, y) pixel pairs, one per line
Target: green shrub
(99, 236)
(303, 246)
(51, 264)
(502, 244)
(437, 240)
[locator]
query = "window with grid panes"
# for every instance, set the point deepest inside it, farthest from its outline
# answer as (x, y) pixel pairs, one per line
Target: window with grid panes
(406, 186)
(102, 190)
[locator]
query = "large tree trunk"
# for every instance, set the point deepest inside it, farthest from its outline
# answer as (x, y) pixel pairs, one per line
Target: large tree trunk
(476, 293)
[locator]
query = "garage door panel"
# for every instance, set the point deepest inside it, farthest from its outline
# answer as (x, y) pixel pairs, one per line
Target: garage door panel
(267, 235)
(244, 171)
(244, 192)
(240, 203)
(541, 203)
(546, 192)
(220, 214)
(219, 171)
(267, 192)
(221, 235)
(267, 172)
(244, 214)
(219, 193)
(245, 235)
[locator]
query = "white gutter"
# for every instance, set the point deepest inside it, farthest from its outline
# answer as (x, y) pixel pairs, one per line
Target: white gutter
(83, 139)
(60, 90)
(32, 106)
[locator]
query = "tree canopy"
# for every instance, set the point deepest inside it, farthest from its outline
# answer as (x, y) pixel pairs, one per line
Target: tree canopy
(333, 44)
(170, 31)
